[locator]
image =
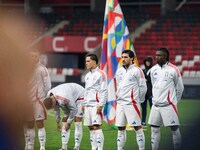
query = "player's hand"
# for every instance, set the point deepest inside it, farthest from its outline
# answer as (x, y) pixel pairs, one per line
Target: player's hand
(58, 127)
(99, 109)
(67, 126)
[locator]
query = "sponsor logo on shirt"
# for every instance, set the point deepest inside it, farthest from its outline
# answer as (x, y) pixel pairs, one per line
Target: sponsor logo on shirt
(155, 75)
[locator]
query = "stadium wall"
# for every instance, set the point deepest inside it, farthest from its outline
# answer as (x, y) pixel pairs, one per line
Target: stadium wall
(192, 88)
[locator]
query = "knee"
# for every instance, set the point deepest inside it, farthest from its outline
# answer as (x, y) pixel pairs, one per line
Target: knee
(155, 129)
(96, 127)
(40, 124)
(174, 128)
(137, 128)
(121, 128)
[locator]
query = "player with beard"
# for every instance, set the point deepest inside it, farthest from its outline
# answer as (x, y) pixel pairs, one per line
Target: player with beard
(131, 90)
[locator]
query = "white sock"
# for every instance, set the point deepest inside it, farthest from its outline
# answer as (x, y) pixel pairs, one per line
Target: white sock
(140, 139)
(100, 139)
(65, 136)
(31, 138)
(78, 133)
(93, 139)
(42, 136)
(155, 138)
(176, 135)
(25, 136)
(121, 139)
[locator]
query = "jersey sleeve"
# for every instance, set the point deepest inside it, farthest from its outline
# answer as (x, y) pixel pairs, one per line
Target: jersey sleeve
(142, 85)
(72, 111)
(103, 90)
(178, 85)
(57, 113)
(46, 80)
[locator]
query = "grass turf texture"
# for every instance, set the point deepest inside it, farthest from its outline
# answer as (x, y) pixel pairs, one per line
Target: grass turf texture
(188, 113)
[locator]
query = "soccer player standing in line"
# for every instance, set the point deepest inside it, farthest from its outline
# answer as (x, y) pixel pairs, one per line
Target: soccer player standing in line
(95, 98)
(167, 91)
(69, 97)
(40, 84)
(131, 90)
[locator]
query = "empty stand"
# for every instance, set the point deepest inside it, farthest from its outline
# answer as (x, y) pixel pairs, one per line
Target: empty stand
(180, 33)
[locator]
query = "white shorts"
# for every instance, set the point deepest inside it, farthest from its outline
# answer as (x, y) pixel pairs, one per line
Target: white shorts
(39, 111)
(128, 114)
(91, 117)
(78, 114)
(166, 115)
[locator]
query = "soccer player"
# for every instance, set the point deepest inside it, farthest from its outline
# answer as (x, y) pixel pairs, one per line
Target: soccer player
(95, 99)
(69, 97)
(131, 89)
(167, 91)
(40, 84)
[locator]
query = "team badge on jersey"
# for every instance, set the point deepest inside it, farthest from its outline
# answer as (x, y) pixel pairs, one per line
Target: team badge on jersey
(166, 76)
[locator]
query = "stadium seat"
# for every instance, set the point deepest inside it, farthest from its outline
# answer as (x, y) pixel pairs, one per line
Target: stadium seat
(192, 74)
(186, 74)
(178, 58)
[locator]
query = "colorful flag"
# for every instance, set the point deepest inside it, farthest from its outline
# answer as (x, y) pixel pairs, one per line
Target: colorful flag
(115, 40)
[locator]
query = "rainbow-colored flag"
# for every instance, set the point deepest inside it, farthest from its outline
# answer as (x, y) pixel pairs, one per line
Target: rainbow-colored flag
(115, 40)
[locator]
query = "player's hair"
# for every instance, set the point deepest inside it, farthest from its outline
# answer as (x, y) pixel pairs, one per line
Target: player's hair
(48, 102)
(129, 52)
(165, 50)
(93, 57)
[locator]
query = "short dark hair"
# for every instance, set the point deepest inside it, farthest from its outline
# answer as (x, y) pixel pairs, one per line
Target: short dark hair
(93, 57)
(165, 50)
(48, 102)
(129, 52)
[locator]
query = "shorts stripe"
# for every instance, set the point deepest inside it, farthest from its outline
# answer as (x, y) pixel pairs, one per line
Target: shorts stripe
(169, 101)
(41, 103)
(97, 99)
(45, 113)
(101, 115)
(135, 104)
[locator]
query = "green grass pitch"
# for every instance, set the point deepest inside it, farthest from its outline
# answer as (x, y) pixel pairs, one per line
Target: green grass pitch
(188, 113)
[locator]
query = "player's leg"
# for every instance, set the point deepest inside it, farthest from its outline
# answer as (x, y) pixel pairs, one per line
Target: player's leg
(41, 134)
(121, 124)
(140, 137)
(88, 122)
(99, 136)
(97, 126)
(78, 127)
(25, 137)
(155, 120)
(30, 135)
(132, 113)
(78, 132)
(65, 134)
(170, 119)
(155, 137)
(121, 138)
(93, 138)
(40, 116)
(176, 136)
